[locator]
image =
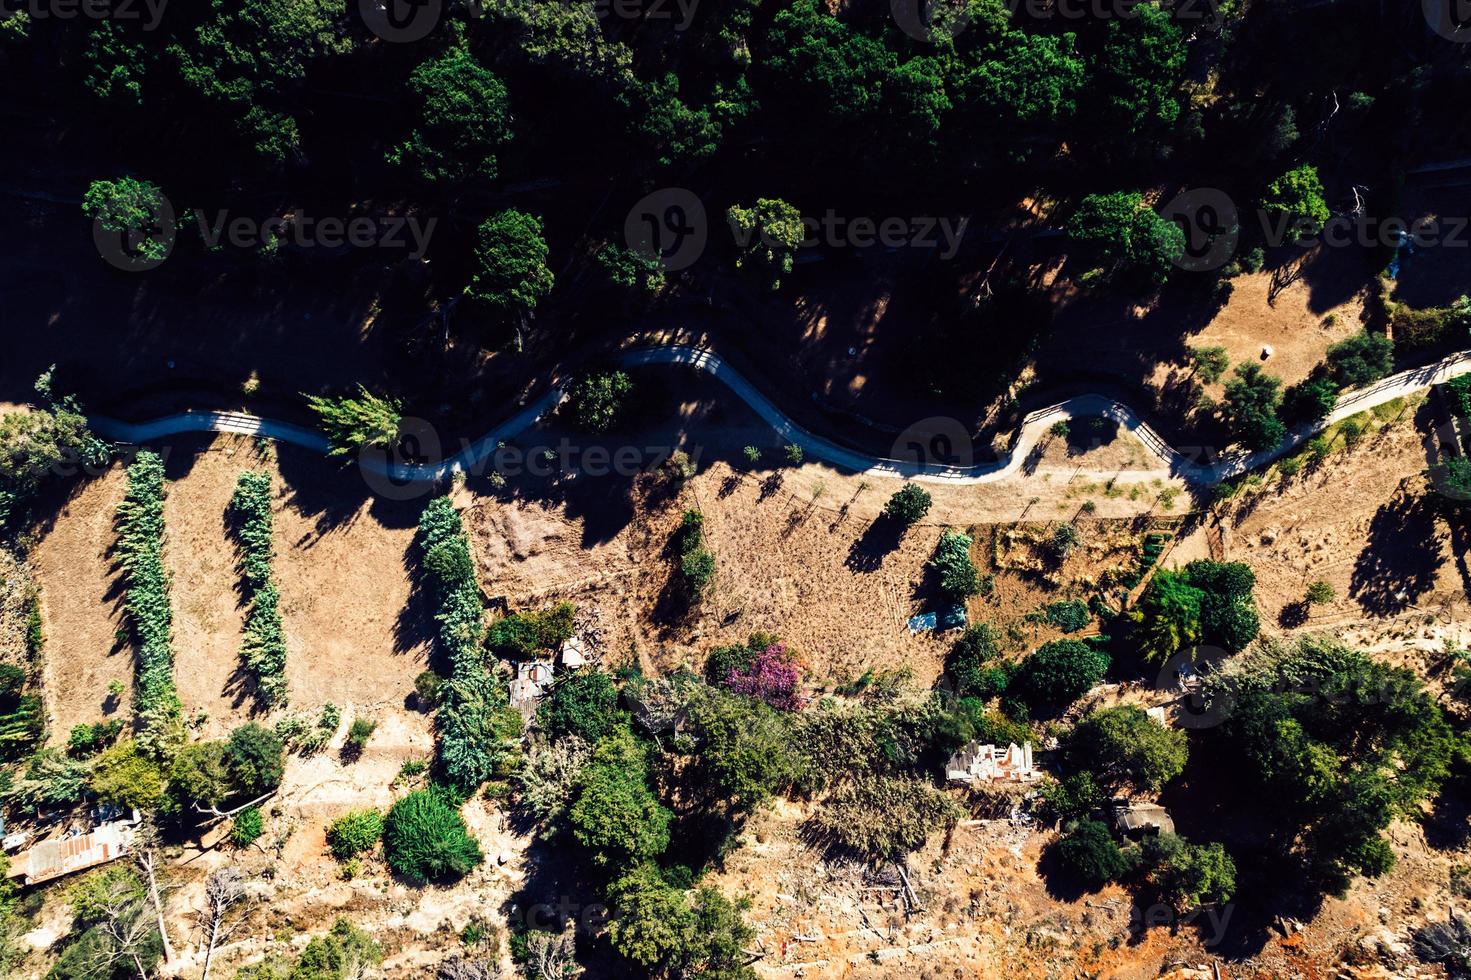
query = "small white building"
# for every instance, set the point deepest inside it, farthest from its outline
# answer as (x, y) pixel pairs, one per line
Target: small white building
(574, 653)
(977, 763)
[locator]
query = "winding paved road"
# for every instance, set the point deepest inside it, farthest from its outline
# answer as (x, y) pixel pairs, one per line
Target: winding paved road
(1033, 429)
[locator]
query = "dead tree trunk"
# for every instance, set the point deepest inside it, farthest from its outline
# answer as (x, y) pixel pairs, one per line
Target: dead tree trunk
(146, 861)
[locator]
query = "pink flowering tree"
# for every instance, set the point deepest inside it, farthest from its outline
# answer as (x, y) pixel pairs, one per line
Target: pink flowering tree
(772, 677)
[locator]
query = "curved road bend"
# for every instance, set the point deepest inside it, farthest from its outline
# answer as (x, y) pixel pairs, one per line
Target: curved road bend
(1031, 431)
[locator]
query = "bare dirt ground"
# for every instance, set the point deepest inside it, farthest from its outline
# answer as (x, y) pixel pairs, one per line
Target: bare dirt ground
(353, 632)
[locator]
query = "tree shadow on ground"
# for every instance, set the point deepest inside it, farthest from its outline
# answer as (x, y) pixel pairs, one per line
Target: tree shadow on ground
(1398, 566)
(879, 539)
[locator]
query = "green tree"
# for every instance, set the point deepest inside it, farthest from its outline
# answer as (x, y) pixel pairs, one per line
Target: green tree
(1167, 619)
(660, 927)
(1252, 399)
(1120, 230)
(972, 663)
(1059, 673)
(1191, 875)
(1452, 478)
(1137, 75)
(584, 704)
(1296, 200)
(126, 776)
(1310, 400)
(425, 839)
(959, 579)
(1026, 80)
(616, 816)
(355, 423)
(132, 207)
(464, 119)
(1363, 358)
(596, 400)
(199, 775)
(1088, 854)
(908, 505)
(630, 270)
(767, 237)
(744, 747)
(255, 759)
(510, 269)
(1210, 363)
(1124, 746)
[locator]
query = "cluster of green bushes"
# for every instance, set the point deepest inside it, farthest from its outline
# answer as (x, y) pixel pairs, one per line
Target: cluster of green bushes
(1050, 678)
(1259, 412)
(264, 649)
(22, 714)
(477, 728)
(528, 635)
(696, 563)
(1430, 328)
(1164, 866)
(85, 741)
(595, 401)
(1207, 603)
(424, 837)
(343, 953)
(140, 530)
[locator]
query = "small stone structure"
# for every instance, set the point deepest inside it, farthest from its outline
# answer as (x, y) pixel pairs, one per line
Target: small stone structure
(977, 763)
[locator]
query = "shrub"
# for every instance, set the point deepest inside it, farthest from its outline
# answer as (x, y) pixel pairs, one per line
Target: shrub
(908, 505)
(426, 688)
(959, 579)
(1073, 797)
(199, 776)
(1123, 745)
(584, 704)
(1297, 198)
(140, 553)
(616, 816)
(744, 747)
(752, 454)
(425, 839)
(527, 635)
(551, 774)
(247, 827)
(1189, 875)
(883, 817)
(355, 832)
(255, 759)
(794, 454)
(771, 676)
(476, 725)
(127, 776)
(86, 741)
(596, 400)
(358, 734)
(1059, 673)
(1089, 855)
(1310, 399)
(967, 663)
(696, 563)
(1069, 616)
(1209, 363)
(1320, 592)
(1361, 359)
(131, 206)
(357, 423)
(264, 649)
(768, 234)
(1252, 400)
(631, 270)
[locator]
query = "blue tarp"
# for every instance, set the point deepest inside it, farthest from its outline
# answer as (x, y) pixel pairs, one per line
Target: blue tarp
(949, 618)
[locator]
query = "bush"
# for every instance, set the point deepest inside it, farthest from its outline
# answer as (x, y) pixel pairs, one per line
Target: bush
(908, 505)
(1361, 359)
(1089, 855)
(1069, 616)
(744, 748)
(883, 817)
(247, 827)
(1252, 400)
(1310, 399)
(140, 553)
(1059, 673)
(1073, 797)
(1124, 746)
(616, 817)
(255, 759)
(355, 832)
(199, 775)
(426, 688)
(596, 400)
(967, 663)
(1190, 875)
(1320, 592)
(584, 704)
(358, 734)
(771, 676)
(264, 649)
(696, 563)
(959, 579)
(528, 635)
(86, 741)
(425, 839)
(128, 777)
